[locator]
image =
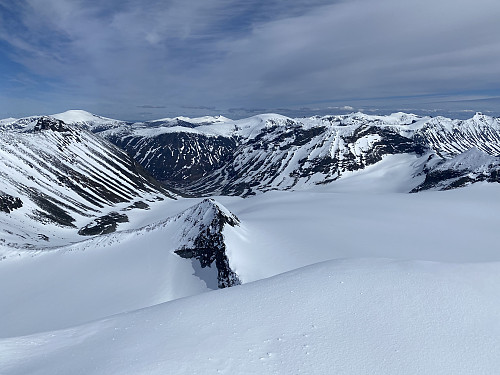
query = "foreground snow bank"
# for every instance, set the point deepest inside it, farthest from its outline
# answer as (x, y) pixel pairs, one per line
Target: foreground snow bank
(342, 317)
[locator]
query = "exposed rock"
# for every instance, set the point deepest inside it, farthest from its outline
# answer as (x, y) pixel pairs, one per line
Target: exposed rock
(139, 205)
(205, 241)
(178, 159)
(8, 203)
(461, 170)
(103, 225)
(50, 210)
(50, 123)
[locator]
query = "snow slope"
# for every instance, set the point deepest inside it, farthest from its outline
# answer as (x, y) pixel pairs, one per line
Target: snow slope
(341, 317)
(277, 232)
(128, 270)
(88, 121)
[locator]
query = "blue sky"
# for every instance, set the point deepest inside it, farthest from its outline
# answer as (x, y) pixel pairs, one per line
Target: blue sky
(149, 59)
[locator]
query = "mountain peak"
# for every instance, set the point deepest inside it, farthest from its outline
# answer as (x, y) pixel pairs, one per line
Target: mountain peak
(75, 115)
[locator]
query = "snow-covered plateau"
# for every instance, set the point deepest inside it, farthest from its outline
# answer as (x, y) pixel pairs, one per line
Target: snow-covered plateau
(348, 244)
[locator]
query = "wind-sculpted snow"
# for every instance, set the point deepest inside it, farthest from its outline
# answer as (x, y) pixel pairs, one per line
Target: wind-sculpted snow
(60, 176)
(339, 317)
(216, 155)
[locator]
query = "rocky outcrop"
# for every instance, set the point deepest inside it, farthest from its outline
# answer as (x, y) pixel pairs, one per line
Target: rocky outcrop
(8, 203)
(203, 239)
(50, 123)
(103, 225)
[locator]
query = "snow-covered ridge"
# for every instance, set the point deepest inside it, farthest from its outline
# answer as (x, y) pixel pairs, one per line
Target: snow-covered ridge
(472, 160)
(80, 116)
(204, 120)
(64, 176)
(460, 170)
(245, 127)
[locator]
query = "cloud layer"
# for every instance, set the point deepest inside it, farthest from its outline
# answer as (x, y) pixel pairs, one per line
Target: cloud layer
(120, 57)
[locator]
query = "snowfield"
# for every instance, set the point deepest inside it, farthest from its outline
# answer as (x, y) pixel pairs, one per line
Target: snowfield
(338, 317)
(365, 314)
(282, 231)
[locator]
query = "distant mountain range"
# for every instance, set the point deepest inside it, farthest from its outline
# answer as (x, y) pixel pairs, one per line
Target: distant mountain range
(218, 156)
(76, 170)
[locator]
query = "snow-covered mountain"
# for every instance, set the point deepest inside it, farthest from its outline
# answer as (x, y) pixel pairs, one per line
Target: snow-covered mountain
(56, 179)
(216, 155)
(460, 170)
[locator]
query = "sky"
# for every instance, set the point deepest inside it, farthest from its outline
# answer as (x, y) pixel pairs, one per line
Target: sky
(137, 60)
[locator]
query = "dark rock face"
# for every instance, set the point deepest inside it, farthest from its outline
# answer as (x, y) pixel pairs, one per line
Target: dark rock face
(177, 159)
(433, 179)
(139, 204)
(103, 225)
(49, 123)
(448, 179)
(8, 203)
(208, 245)
(50, 210)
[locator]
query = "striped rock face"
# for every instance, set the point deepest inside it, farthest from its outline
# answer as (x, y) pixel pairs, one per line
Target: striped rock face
(57, 178)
